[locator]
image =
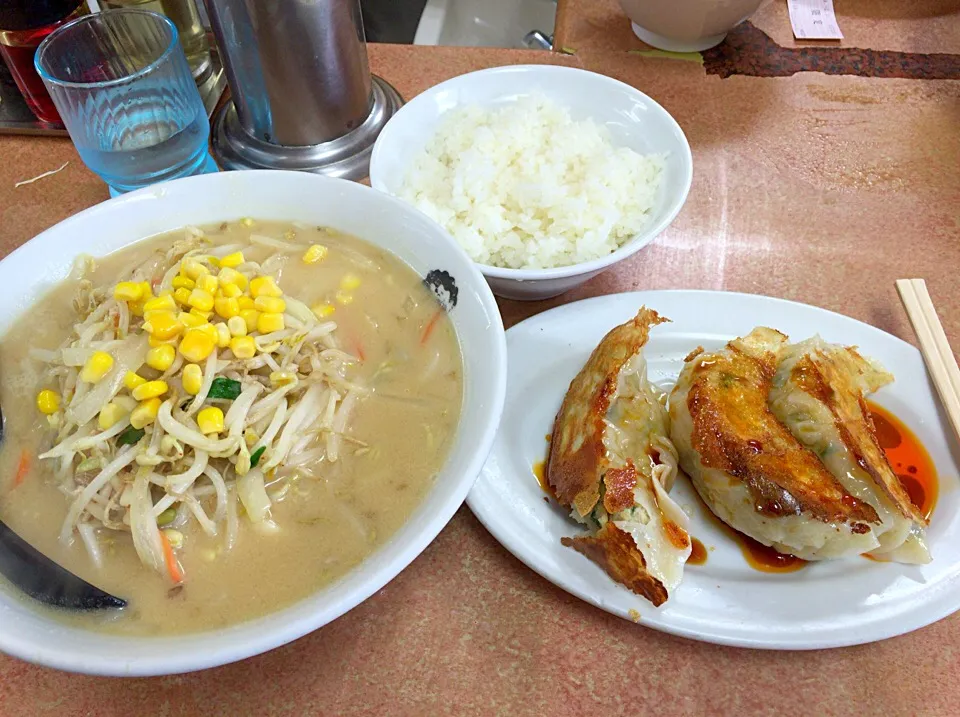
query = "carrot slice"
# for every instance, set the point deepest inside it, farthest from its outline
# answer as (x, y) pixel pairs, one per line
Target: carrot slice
(173, 567)
(428, 329)
(23, 467)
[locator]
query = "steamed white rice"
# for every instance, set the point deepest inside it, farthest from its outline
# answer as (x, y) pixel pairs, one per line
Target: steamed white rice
(526, 186)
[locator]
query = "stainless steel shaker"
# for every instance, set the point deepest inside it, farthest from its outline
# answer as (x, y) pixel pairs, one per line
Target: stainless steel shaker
(302, 93)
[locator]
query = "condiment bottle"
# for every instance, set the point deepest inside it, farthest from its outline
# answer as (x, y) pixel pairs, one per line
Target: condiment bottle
(23, 25)
(193, 35)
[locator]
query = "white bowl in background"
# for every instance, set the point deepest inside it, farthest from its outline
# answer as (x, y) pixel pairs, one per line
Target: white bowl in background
(633, 119)
(29, 632)
(686, 25)
(484, 23)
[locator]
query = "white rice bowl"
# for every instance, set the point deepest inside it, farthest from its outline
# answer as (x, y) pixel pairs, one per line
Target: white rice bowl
(524, 186)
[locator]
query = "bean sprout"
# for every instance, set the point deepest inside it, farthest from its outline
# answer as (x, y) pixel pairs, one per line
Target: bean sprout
(140, 477)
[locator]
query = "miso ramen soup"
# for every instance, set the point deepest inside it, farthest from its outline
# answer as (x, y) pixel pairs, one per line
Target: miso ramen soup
(215, 423)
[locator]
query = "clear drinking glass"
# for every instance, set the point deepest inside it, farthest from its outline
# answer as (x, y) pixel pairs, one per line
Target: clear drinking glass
(124, 90)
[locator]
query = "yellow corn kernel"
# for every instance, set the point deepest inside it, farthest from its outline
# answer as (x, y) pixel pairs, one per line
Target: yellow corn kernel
(161, 357)
(132, 380)
(210, 420)
(245, 302)
(229, 275)
(270, 304)
(182, 295)
(237, 326)
(281, 377)
(192, 379)
(136, 308)
(322, 311)
(165, 292)
(147, 291)
(208, 329)
(250, 316)
(183, 282)
(343, 298)
(243, 347)
(197, 345)
(110, 415)
(223, 335)
(193, 269)
(190, 319)
(232, 261)
(48, 402)
(349, 282)
(145, 413)
(204, 315)
(96, 367)
(163, 325)
(264, 286)
(230, 291)
(127, 291)
(267, 323)
(154, 342)
(200, 299)
(213, 261)
(209, 283)
(151, 389)
(317, 252)
(227, 308)
(161, 303)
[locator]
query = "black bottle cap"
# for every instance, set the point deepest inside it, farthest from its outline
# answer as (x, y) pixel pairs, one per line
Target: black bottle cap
(30, 14)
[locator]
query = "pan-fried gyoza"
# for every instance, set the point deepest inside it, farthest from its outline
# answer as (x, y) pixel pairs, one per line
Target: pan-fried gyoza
(612, 463)
(780, 445)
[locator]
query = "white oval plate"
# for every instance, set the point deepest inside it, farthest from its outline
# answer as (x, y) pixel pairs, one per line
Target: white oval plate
(830, 604)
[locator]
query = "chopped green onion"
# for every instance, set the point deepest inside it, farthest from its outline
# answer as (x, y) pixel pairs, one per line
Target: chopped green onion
(224, 388)
(255, 456)
(130, 436)
(89, 464)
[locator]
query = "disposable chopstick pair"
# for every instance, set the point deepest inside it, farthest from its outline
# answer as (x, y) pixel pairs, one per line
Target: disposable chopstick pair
(934, 346)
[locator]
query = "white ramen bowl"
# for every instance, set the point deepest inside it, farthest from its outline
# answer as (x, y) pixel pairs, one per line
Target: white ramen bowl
(28, 631)
(633, 120)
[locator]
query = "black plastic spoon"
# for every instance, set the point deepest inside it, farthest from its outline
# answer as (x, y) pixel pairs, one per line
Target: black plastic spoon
(42, 579)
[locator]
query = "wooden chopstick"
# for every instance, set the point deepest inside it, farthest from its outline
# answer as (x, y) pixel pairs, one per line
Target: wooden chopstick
(934, 346)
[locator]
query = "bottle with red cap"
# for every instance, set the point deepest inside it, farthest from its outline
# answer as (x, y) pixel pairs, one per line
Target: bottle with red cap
(23, 25)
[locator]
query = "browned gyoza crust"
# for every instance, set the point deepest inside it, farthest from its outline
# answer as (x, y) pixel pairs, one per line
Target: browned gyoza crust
(822, 376)
(614, 551)
(577, 455)
(578, 461)
(734, 431)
